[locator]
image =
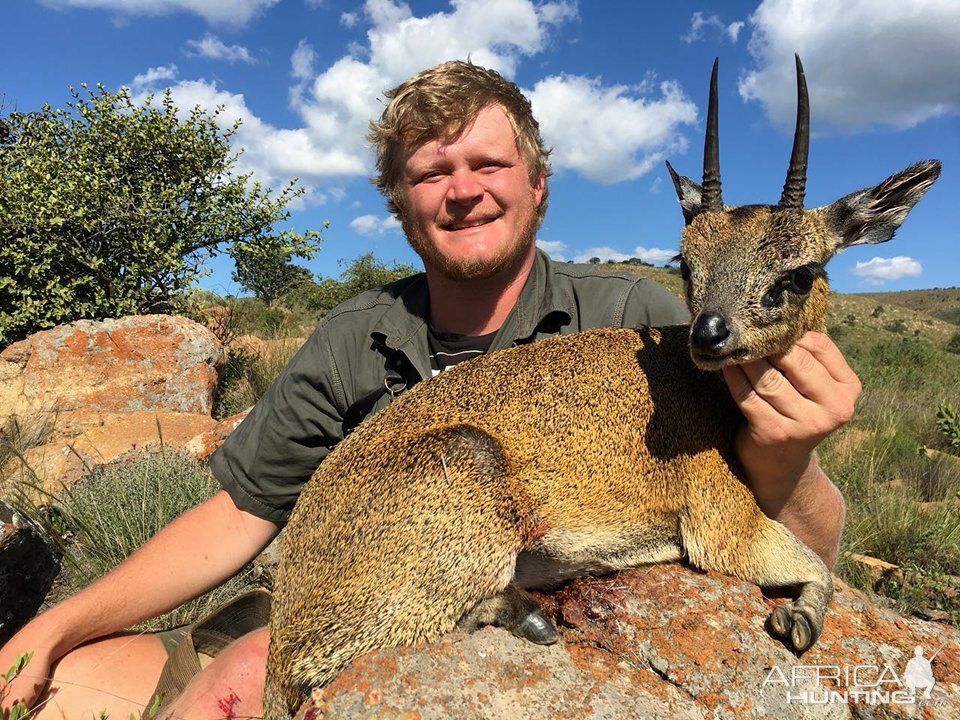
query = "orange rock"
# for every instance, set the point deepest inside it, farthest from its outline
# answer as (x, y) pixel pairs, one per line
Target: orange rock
(150, 362)
(61, 463)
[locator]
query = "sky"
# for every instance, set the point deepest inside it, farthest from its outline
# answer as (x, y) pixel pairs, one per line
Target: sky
(617, 86)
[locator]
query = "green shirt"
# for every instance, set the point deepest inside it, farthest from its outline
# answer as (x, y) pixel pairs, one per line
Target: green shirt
(264, 463)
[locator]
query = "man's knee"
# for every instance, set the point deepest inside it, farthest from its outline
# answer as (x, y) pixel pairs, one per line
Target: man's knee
(231, 685)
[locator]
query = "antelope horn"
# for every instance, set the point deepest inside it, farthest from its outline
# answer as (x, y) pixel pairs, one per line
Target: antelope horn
(711, 200)
(795, 187)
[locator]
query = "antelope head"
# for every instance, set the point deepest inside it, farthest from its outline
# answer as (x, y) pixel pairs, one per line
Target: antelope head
(754, 274)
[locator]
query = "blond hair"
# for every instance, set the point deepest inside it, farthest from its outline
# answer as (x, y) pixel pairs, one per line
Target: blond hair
(439, 103)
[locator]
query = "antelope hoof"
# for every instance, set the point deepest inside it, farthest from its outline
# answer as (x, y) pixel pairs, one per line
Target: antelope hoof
(797, 625)
(536, 628)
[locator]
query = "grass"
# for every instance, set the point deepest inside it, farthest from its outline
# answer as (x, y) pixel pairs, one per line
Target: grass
(102, 519)
(894, 465)
(248, 372)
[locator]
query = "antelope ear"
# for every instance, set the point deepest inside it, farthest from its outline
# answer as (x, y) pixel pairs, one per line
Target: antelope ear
(688, 192)
(872, 215)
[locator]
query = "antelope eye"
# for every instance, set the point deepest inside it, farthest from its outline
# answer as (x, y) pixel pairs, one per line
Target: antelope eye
(801, 280)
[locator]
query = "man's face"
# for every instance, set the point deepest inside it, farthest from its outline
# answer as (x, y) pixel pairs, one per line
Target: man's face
(469, 210)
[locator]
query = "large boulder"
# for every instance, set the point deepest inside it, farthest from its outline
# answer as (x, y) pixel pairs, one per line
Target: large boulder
(663, 641)
(149, 362)
(93, 390)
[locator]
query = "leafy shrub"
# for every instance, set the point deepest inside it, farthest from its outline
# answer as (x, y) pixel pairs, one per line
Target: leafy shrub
(953, 344)
(248, 374)
(360, 274)
(948, 423)
(117, 508)
(108, 208)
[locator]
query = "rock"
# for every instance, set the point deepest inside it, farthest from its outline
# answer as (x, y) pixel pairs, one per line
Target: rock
(27, 570)
(877, 571)
(58, 464)
(203, 445)
(150, 362)
(663, 641)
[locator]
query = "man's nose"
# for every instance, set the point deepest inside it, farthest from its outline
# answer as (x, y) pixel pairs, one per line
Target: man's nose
(465, 187)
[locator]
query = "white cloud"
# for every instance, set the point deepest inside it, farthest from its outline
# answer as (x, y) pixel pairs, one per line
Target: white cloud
(733, 30)
(339, 102)
(881, 270)
(302, 59)
(226, 12)
(274, 155)
(606, 133)
(556, 249)
(654, 256)
(699, 24)
(212, 47)
(867, 63)
(493, 33)
(153, 76)
(349, 19)
(372, 225)
(610, 133)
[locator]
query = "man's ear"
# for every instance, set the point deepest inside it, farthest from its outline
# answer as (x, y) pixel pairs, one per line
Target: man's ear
(539, 187)
(873, 214)
(688, 192)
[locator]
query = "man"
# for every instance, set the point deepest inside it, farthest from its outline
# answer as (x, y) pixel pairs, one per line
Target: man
(464, 169)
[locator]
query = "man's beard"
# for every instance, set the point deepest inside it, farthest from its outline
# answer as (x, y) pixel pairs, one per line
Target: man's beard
(476, 268)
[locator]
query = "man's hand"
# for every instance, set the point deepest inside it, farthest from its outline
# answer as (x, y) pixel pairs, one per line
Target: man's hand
(791, 402)
(25, 687)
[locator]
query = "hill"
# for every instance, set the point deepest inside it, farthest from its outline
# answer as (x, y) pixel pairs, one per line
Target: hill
(941, 303)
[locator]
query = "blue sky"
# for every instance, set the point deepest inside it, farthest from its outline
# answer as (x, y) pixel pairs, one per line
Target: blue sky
(617, 87)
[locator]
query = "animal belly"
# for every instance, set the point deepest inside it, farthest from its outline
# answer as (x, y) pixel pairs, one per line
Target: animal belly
(560, 556)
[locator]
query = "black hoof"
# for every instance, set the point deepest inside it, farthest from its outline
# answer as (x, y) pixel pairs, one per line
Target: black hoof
(801, 634)
(780, 621)
(793, 626)
(536, 628)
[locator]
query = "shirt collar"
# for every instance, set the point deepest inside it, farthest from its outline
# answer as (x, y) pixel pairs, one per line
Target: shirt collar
(404, 323)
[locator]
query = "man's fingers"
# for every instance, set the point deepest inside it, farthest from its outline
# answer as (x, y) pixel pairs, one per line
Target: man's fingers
(828, 354)
(774, 388)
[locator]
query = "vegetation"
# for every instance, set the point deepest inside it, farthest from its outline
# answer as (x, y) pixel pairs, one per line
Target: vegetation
(266, 268)
(360, 274)
(18, 710)
(108, 208)
(100, 520)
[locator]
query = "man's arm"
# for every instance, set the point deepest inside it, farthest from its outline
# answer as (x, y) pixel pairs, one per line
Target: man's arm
(792, 402)
(193, 554)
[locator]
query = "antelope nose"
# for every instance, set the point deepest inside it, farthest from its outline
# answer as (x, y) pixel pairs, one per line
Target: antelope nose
(709, 331)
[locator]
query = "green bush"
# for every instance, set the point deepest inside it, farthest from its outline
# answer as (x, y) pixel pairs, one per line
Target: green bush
(948, 423)
(108, 208)
(953, 344)
(104, 517)
(896, 326)
(360, 274)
